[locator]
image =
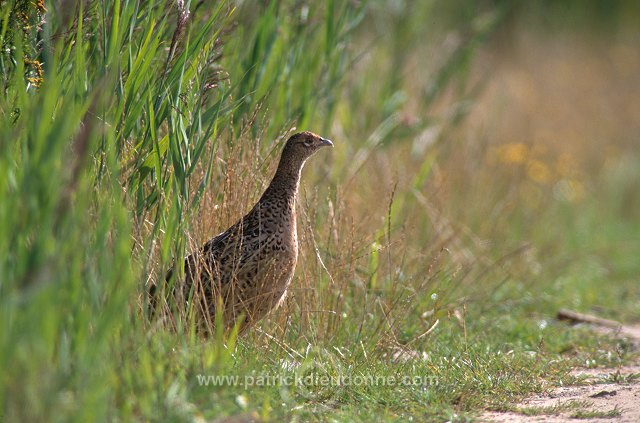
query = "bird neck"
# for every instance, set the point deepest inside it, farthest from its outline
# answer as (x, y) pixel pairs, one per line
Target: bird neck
(285, 182)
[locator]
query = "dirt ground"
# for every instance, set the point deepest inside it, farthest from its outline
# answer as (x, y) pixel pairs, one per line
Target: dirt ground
(603, 395)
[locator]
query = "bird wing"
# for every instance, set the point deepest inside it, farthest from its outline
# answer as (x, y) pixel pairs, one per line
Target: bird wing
(223, 255)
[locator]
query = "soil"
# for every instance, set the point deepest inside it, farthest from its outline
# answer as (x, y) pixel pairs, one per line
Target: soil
(603, 395)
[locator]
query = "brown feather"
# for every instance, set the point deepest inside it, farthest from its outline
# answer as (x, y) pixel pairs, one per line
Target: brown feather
(248, 267)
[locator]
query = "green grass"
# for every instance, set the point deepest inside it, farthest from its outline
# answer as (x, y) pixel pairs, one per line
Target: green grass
(554, 409)
(594, 414)
(432, 264)
(575, 410)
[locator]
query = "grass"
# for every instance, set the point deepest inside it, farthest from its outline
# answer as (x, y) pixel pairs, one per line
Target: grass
(619, 378)
(594, 414)
(553, 410)
(575, 409)
(438, 238)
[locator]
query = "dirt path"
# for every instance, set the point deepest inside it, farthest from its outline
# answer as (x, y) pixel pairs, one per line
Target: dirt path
(604, 395)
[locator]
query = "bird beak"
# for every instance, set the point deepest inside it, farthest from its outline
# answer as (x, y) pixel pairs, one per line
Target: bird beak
(325, 142)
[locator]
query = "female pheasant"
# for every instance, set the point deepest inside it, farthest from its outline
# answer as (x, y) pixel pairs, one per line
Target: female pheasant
(247, 269)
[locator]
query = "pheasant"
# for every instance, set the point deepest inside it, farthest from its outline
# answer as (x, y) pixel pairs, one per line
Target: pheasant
(247, 269)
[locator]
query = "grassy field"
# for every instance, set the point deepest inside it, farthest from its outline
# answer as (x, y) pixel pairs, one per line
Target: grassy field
(485, 174)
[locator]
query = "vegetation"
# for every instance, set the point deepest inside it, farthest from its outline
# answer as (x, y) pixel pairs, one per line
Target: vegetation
(438, 240)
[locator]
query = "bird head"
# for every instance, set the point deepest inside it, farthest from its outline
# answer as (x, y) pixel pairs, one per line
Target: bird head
(297, 150)
(302, 145)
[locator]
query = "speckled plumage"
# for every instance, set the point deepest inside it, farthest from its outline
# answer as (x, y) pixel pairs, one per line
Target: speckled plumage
(248, 268)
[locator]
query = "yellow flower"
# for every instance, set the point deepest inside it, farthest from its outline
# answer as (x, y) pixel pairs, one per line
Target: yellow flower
(538, 172)
(513, 153)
